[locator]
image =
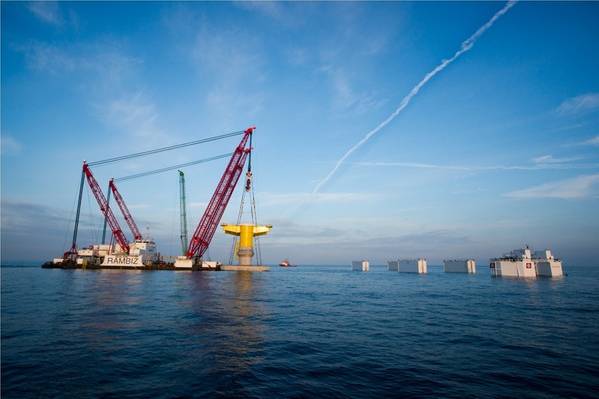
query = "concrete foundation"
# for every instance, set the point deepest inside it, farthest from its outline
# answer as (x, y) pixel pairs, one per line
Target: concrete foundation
(459, 266)
(245, 256)
(412, 266)
(360, 265)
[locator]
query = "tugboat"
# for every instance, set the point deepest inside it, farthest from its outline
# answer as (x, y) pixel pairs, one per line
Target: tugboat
(285, 263)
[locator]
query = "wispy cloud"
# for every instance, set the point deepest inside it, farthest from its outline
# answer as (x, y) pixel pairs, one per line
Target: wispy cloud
(578, 187)
(466, 46)
(108, 61)
(592, 141)
(49, 227)
(9, 145)
(47, 11)
(272, 9)
(234, 61)
(136, 115)
(275, 199)
(579, 104)
(115, 93)
(313, 243)
(560, 164)
(345, 96)
(550, 159)
(23, 222)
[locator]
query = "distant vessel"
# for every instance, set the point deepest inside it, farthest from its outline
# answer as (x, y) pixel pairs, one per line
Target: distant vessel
(524, 263)
(286, 263)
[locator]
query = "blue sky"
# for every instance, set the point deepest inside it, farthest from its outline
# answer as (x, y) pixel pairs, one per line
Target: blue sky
(497, 150)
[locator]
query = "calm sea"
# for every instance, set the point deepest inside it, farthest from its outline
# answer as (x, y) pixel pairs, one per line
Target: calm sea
(303, 332)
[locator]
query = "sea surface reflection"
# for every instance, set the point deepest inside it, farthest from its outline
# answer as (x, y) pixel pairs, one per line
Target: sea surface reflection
(304, 332)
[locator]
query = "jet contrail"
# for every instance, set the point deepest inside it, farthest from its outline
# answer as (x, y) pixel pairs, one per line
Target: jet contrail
(466, 45)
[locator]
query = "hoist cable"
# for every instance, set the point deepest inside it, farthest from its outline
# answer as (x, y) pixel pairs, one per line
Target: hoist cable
(168, 148)
(166, 169)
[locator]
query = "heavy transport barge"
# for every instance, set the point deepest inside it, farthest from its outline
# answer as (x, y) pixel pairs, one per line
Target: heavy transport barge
(142, 256)
(199, 266)
(149, 266)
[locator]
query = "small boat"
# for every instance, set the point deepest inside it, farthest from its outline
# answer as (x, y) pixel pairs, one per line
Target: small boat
(285, 263)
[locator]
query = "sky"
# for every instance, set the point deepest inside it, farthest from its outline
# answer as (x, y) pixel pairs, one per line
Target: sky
(499, 148)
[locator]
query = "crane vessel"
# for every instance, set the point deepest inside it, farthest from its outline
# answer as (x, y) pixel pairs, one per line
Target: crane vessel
(140, 252)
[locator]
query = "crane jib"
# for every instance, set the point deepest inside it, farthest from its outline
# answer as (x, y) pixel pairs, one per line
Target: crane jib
(117, 232)
(125, 211)
(208, 223)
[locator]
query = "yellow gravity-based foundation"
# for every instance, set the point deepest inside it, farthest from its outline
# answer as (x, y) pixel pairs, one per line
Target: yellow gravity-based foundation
(246, 234)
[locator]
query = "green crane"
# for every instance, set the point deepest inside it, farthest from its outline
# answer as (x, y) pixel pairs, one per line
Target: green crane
(183, 211)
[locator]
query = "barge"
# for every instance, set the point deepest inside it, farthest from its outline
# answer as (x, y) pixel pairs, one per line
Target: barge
(142, 256)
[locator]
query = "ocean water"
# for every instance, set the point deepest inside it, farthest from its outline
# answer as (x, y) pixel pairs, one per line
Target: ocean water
(303, 332)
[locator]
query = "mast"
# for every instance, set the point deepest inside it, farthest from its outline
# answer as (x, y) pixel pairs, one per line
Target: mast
(183, 212)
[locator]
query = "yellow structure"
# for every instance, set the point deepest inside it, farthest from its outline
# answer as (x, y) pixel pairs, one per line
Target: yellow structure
(246, 234)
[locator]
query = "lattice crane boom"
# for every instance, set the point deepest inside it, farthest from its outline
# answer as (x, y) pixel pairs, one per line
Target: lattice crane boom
(105, 208)
(124, 210)
(216, 207)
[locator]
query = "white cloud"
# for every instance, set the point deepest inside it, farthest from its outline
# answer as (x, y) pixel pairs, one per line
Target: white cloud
(47, 11)
(592, 141)
(272, 9)
(136, 115)
(9, 145)
(49, 58)
(542, 163)
(579, 104)
(345, 96)
(107, 61)
(550, 159)
(274, 199)
(231, 62)
(578, 187)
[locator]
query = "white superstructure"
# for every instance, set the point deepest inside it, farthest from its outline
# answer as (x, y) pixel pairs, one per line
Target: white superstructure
(360, 265)
(141, 253)
(459, 266)
(522, 263)
(144, 248)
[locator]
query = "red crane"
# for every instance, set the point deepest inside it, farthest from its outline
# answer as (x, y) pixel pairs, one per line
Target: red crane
(216, 207)
(105, 208)
(126, 214)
